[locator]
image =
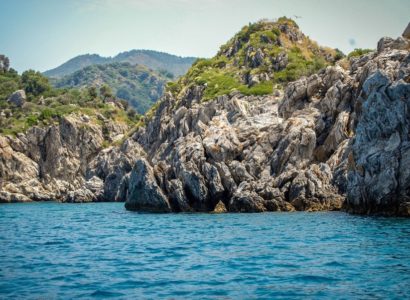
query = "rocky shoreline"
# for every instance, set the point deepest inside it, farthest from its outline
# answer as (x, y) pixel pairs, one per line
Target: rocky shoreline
(336, 140)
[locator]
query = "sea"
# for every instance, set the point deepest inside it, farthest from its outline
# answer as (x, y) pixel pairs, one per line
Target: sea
(52, 250)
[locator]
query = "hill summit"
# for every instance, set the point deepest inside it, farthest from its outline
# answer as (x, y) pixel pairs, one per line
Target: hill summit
(259, 56)
(158, 61)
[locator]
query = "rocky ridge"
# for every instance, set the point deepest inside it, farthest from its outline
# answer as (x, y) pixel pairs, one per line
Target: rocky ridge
(336, 139)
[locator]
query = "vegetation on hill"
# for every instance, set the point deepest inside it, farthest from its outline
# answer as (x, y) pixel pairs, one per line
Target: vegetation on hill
(359, 52)
(140, 86)
(44, 104)
(262, 56)
(257, 58)
(158, 61)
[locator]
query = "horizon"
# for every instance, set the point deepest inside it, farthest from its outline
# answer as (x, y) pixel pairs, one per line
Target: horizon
(179, 27)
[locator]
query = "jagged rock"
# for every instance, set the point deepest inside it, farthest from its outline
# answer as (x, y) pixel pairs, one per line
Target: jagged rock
(55, 162)
(295, 93)
(389, 43)
(220, 140)
(18, 98)
(378, 175)
(80, 195)
(406, 32)
(280, 61)
(112, 164)
(254, 58)
(220, 208)
(144, 194)
(7, 197)
(246, 201)
(314, 84)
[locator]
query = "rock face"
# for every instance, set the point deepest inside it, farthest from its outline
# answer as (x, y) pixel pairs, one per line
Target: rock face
(61, 162)
(379, 172)
(337, 139)
(18, 98)
(144, 194)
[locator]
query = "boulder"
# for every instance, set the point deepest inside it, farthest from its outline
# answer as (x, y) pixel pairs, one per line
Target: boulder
(18, 98)
(220, 208)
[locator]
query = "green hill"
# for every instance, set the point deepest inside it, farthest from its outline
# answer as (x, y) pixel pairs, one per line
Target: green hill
(140, 86)
(41, 104)
(155, 60)
(260, 56)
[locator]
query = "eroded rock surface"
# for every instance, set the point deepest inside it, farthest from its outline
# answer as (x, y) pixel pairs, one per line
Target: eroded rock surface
(336, 139)
(60, 162)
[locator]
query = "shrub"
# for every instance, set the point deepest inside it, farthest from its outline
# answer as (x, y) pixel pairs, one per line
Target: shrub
(34, 83)
(359, 52)
(131, 113)
(32, 120)
(259, 89)
(173, 87)
(46, 114)
(218, 83)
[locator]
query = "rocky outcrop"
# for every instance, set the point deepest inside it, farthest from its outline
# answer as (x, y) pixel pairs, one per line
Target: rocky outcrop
(337, 139)
(60, 162)
(18, 98)
(406, 32)
(379, 169)
(144, 193)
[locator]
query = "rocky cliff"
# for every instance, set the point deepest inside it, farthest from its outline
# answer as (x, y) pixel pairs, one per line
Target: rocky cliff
(61, 162)
(336, 139)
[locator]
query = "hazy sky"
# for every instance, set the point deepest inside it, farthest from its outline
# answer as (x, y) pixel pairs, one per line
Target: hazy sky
(42, 34)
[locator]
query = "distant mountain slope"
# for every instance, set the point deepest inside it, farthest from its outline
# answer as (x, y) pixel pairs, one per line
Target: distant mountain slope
(158, 61)
(140, 86)
(76, 64)
(152, 59)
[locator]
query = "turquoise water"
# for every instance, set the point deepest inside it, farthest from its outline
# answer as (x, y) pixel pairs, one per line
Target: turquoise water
(99, 250)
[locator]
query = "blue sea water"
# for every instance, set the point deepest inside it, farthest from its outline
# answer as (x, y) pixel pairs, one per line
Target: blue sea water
(99, 250)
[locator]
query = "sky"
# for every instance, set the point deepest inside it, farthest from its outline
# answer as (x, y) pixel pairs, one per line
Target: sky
(42, 34)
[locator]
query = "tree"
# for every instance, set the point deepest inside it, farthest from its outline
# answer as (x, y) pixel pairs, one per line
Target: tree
(92, 92)
(124, 103)
(4, 63)
(131, 113)
(105, 92)
(34, 83)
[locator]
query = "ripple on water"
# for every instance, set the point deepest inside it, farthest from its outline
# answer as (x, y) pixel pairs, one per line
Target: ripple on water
(51, 250)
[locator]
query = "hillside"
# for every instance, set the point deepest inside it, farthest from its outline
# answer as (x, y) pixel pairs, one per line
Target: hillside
(275, 122)
(155, 60)
(261, 56)
(29, 100)
(140, 86)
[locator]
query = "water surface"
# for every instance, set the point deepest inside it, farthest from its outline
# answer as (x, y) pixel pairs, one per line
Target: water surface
(99, 250)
